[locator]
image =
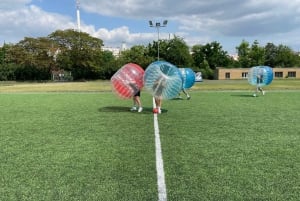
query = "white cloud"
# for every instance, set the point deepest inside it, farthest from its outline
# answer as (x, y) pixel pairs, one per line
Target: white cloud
(197, 21)
(12, 4)
(208, 19)
(116, 37)
(30, 21)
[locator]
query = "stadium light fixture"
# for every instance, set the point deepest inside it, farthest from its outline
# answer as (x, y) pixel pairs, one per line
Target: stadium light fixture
(158, 25)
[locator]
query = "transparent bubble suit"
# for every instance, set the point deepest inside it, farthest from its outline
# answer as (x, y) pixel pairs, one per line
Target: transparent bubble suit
(260, 75)
(188, 77)
(163, 80)
(128, 80)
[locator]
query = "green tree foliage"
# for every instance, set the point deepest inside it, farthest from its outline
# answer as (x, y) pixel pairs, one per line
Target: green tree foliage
(32, 58)
(207, 72)
(3, 54)
(285, 57)
(212, 53)
(256, 54)
(208, 57)
(281, 56)
(7, 72)
(81, 53)
(198, 55)
(109, 65)
(83, 56)
(7, 68)
(153, 50)
(270, 54)
(243, 51)
(177, 52)
(137, 54)
(174, 50)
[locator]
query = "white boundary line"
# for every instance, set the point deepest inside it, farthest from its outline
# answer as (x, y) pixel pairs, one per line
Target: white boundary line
(161, 184)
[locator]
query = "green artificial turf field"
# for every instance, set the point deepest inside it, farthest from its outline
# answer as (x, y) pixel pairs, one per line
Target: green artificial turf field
(87, 145)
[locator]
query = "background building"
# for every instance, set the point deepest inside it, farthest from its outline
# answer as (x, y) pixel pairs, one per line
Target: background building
(242, 73)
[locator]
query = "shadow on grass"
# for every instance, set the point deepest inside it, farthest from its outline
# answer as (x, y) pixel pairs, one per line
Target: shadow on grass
(146, 110)
(177, 98)
(243, 95)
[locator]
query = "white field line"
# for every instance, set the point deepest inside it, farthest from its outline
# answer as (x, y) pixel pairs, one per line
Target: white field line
(161, 184)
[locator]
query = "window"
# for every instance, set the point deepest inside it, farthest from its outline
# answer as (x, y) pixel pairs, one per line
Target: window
(244, 74)
(292, 74)
(278, 74)
(227, 75)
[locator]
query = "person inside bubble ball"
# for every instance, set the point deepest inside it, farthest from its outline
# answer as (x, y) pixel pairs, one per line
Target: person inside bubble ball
(137, 103)
(188, 97)
(158, 88)
(259, 81)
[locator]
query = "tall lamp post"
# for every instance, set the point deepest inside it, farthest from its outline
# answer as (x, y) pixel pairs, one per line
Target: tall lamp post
(158, 25)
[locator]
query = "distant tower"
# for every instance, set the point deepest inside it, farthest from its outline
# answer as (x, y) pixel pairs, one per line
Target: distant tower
(123, 46)
(78, 15)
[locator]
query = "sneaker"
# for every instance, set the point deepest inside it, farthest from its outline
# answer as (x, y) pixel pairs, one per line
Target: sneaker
(188, 97)
(159, 111)
(133, 108)
(140, 109)
(263, 92)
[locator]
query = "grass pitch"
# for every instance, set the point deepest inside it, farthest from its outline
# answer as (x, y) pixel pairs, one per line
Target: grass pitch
(223, 144)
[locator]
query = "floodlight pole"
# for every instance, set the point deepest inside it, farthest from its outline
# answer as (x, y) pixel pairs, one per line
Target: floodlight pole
(157, 26)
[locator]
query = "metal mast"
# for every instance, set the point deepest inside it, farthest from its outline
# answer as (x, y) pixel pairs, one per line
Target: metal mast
(78, 15)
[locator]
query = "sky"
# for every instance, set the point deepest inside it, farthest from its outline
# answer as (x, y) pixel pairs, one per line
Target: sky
(118, 22)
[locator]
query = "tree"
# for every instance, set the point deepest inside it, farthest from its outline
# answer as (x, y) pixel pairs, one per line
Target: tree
(136, 54)
(108, 64)
(3, 53)
(7, 67)
(80, 53)
(71, 39)
(153, 50)
(32, 58)
(256, 54)
(207, 72)
(210, 53)
(243, 53)
(285, 57)
(198, 55)
(270, 54)
(215, 55)
(177, 52)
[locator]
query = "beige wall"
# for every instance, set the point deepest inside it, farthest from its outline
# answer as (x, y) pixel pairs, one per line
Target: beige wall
(241, 73)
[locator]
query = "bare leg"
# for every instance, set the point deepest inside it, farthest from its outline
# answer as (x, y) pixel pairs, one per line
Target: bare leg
(134, 101)
(186, 93)
(158, 104)
(134, 104)
(261, 90)
(138, 101)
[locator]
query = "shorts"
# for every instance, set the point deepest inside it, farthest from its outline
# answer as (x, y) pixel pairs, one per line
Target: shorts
(138, 93)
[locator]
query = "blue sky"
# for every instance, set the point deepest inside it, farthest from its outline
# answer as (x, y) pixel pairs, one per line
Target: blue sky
(196, 21)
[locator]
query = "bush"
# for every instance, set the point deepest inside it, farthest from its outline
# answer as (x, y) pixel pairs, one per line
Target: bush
(7, 72)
